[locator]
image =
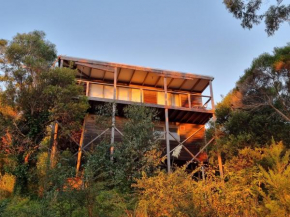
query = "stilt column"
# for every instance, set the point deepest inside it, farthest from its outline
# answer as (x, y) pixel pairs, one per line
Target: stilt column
(167, 127)
(114, 111)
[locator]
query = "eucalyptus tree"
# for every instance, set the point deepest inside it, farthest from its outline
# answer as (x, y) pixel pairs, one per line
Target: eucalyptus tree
(258, 109)
(34, 93)
(267, 82)
(252, 12)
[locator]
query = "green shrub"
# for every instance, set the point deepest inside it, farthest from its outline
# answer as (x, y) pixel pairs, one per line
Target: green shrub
(24, 207)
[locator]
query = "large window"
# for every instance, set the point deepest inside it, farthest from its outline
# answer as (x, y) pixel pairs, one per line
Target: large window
(128, 94)
(175, 133)
(161, 98)
(146, 96)
(123, 93)
(160, 133)
(101, 91)
(175, 100)
(109, 92)
(96, 90)
(136, 95)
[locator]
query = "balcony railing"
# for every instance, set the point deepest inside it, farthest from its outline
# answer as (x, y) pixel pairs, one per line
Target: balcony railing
(147, 95)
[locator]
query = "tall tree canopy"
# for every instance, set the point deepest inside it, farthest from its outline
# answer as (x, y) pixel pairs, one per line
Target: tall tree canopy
(251, 13)
(267, 82)
(258, 109)
(34, 94)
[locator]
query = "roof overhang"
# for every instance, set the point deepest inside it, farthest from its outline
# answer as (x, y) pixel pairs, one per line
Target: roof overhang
(136, 75)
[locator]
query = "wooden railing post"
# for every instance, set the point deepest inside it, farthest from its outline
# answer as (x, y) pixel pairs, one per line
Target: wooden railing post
(189, 100)
(87, 88)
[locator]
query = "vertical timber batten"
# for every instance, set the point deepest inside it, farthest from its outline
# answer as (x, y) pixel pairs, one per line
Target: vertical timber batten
(87, 88)
(114, 110)
(214, 119)
(167, 127)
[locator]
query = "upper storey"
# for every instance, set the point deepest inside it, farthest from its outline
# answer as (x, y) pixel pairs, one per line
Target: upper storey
(142, 85)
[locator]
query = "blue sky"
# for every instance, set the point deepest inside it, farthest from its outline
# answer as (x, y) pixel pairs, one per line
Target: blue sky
(200, 37)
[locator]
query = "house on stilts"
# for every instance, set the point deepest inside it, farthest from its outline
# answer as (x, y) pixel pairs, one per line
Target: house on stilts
(178, 97)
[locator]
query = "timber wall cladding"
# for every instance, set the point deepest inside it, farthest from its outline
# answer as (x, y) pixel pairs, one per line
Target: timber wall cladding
(93, 129)
(150, 97)
(195, 101)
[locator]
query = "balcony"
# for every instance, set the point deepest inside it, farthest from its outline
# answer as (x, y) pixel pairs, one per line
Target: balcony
(152, 97)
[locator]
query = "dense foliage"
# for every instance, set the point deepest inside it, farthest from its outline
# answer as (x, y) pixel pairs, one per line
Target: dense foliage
(258, 109)
(139, 152)
(131, 181)
(256, 184)
(34, 96)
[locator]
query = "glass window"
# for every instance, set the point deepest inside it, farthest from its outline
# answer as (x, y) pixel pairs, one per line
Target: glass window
(161, 98)
(175, 101)
(96, 90)
(123, 93)
(160, 133)
(174, 132)
(109, 92)
(136, 95)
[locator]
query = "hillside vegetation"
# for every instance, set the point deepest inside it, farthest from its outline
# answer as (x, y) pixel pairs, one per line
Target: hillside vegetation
(252, 134)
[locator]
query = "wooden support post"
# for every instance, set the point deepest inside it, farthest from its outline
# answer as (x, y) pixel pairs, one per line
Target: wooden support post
(87, 88)
(167, 127)
(80, 148)
(53, 145)
(220, 164)
(113, 112)
(214, 119)
(189, 100)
